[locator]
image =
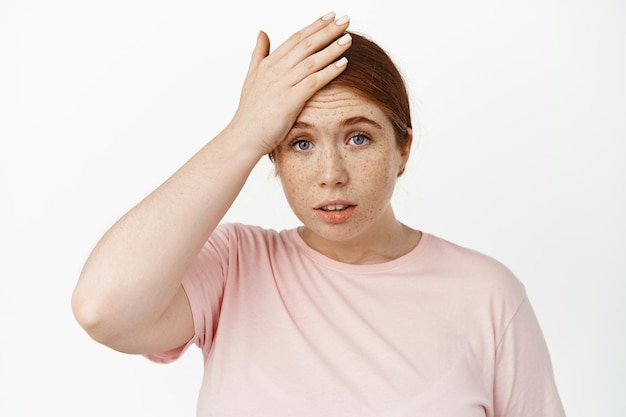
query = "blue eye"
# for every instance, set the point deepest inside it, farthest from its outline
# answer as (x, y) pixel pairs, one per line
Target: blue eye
(359, 139)
(301, 145)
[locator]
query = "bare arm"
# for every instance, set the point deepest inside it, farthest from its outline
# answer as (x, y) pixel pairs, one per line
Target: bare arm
(129, 294)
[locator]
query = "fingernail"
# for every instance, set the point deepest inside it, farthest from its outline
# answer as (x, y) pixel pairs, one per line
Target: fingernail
(341, 62)
(344, 39)
(328, 16)
(343, 20)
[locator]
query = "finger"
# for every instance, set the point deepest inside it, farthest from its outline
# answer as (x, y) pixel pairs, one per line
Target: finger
(320, 59)
(316, 81)
(319, 40)
(313, 37)
(261, 50)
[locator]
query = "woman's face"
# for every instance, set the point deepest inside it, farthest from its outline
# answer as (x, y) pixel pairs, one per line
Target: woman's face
(339, 165)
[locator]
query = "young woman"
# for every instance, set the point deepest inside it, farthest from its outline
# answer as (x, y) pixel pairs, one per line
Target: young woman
(351, 314)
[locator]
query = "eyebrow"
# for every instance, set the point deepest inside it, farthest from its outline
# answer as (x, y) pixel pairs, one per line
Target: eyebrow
(347, 122)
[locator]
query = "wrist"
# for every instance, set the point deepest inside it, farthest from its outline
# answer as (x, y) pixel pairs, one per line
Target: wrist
(246, 142)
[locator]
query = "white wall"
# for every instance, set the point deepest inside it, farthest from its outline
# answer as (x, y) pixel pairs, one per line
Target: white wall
(522, 114)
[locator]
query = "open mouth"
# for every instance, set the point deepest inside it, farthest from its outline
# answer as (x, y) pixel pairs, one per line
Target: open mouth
(335, 207)
(335, 212)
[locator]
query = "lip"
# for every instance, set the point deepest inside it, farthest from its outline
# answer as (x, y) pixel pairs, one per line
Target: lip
(334, 203)
(335, 216)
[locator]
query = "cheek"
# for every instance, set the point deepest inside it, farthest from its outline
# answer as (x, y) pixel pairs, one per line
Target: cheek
(382, 169)
(293, 180)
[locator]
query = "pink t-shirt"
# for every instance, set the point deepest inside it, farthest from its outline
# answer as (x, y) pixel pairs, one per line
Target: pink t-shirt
(442, 331)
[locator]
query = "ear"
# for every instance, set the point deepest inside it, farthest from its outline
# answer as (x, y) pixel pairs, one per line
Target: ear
(406, 151)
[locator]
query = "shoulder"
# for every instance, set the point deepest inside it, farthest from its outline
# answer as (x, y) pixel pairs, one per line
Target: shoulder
(245, 232)
(473, 268)
(250, 238)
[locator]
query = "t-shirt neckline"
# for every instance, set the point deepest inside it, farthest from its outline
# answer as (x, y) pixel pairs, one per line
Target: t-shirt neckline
(324, 260)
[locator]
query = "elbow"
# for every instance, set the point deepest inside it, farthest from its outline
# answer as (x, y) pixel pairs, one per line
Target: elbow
(106, 321)
(88, 317)
(94, 317)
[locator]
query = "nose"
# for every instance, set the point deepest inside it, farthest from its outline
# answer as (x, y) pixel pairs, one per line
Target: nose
(332, 168)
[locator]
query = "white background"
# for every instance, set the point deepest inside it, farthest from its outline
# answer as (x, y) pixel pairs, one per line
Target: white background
(521, 109)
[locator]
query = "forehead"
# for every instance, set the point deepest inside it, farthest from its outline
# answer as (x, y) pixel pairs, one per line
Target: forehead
(337, 103)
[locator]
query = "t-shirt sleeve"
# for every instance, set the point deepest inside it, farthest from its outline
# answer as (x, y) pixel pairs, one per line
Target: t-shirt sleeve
(524, 384)
(204, 285)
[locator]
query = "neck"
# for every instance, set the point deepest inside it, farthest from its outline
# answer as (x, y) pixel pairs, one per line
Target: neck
(388, 239)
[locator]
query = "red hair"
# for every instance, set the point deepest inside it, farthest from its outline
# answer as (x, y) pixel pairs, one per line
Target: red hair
(371, 73)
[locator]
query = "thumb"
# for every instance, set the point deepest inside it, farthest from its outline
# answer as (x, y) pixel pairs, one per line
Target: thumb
(261, 50)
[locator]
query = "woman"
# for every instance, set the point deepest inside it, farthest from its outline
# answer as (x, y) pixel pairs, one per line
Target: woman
(351, 314)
